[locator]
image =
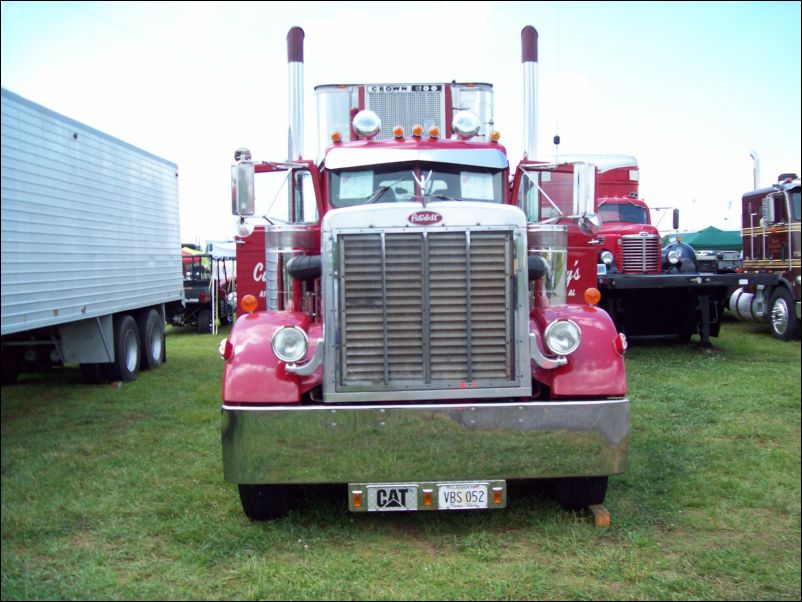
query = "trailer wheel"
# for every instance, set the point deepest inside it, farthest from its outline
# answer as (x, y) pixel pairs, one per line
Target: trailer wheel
(266, 502)
(125, 366)
(782, 320)
(151, 328)
(577, 492)
(205, 320)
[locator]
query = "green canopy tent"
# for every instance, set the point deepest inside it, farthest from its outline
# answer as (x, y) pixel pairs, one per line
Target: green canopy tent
(712, 239)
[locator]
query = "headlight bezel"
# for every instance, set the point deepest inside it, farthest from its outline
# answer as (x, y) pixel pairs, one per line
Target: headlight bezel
(551, 336)
(283, 348)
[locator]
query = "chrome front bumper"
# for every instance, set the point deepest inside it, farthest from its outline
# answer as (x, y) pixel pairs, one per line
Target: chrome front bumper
(394, 443)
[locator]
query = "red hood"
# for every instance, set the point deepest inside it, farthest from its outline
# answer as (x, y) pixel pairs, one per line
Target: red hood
(624, 228)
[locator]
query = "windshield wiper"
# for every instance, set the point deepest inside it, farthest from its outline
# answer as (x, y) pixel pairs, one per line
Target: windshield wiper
(443, 197)
(377, 194)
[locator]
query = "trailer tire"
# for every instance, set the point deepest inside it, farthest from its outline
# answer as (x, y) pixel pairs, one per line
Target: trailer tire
(782, 320)
(266, 502)
(127, 343)
(578, 492)
(205, 321)
(151, 329)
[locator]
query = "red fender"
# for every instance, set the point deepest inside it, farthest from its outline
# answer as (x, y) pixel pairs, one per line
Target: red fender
(596, 368)
(253, 374)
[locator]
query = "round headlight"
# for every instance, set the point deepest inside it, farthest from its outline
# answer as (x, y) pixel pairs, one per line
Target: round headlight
(466, 124)
(673, 257)
(290, 344)
(607, 258)
(367, 124)
(562, 337)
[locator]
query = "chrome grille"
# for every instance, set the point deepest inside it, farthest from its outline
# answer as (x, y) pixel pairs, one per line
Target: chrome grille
(641, 254)
(423, 308)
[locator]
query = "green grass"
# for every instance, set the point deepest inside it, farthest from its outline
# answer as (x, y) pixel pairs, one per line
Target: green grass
(117, 493)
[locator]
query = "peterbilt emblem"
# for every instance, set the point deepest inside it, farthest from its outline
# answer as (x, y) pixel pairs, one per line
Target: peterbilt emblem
(425, 218)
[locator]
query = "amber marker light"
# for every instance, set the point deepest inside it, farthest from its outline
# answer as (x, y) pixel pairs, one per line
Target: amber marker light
(249, 304)
(417, 131)
(336, 137)
(398, 131)
(592, 296)
(494, 136)
(428, 498)
(434, 132)
(498, 496)
(356, 498)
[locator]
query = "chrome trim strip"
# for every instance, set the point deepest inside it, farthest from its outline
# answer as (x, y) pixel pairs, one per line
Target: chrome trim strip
(398, 443)
(310, 366)
(542, 360)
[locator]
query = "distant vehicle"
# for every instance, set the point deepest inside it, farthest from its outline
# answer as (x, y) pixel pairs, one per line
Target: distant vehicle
(771, 250)
(209, 291)
(90, 240)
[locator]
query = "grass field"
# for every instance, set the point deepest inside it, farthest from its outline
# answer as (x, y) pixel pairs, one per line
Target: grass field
(117, 493)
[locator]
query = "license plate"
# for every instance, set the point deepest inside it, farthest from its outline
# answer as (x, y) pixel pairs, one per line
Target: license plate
(427, 495)
(462, 496)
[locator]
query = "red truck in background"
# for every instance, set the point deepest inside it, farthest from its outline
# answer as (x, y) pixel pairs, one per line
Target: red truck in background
(771, 251)
(415, 344)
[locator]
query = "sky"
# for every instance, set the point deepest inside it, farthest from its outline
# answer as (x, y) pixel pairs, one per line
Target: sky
(688, 89)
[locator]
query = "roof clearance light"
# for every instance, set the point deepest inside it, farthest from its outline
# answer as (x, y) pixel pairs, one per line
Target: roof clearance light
(398, 131)
(417, 131)
(494, 136)
(367, 124)
(434, 132)
(466, 124)
(336, 137)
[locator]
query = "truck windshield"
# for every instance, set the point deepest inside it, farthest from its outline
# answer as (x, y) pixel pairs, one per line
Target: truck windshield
(397, 182)
(614, 212)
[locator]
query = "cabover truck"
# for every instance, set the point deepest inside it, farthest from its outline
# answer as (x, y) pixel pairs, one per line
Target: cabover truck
(772, 256)
(90, 247)
(416, 346)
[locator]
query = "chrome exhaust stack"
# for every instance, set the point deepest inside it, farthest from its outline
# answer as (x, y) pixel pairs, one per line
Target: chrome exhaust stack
(295, 59)
(529, 60)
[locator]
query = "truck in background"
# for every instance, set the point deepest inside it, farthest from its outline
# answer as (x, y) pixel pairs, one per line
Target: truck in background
(416, 346)
(209, 290)
(771, 252)
(90, 247)
(648, 289)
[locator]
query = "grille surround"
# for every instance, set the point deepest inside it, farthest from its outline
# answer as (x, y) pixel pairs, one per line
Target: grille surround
(516, 380)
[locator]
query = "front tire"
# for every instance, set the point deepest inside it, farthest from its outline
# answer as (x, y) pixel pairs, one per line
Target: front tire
(266, 502)
(782, 320)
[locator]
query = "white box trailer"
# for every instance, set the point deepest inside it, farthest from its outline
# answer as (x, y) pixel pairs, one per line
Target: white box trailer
(91, 258)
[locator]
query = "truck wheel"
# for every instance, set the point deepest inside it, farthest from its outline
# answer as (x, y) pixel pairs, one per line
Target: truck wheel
(151, 328)
(578, 492)
(125, 366)
(782, 320)
(205, 320)
(265, 502)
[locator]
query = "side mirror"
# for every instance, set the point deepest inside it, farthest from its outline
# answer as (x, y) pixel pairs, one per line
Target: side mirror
(242, 189)
(589, 224)
(675, 223)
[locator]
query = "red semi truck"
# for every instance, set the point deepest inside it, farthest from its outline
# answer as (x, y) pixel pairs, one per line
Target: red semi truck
(416, 345)
(771, 250)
